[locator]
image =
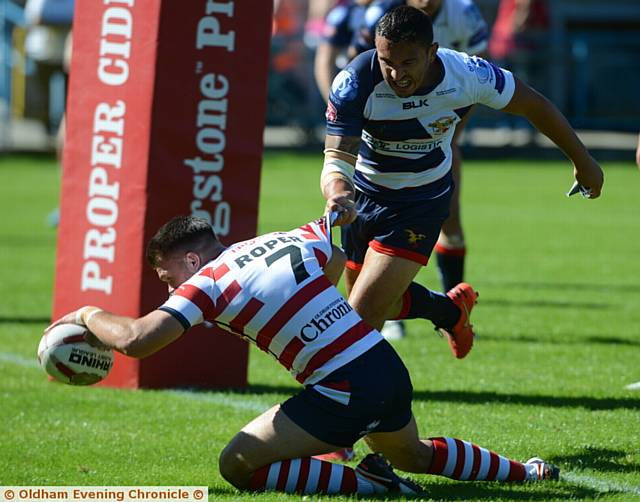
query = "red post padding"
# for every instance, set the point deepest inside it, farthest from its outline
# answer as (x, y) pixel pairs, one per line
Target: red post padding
(165, 117)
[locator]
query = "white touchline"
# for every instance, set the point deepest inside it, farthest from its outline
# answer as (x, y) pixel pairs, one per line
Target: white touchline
(237, 401)
(7, 357)
(600, 485)
(633, 386)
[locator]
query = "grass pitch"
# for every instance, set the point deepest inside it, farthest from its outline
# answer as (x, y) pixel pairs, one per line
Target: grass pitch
(559, 339)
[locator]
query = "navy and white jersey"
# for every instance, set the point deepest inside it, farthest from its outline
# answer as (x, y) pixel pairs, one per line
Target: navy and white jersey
(458, 25)
(406, 142)
(272, 291)
(342, 23)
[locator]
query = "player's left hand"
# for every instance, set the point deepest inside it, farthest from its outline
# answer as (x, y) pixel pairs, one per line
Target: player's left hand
(75, 317)
(589, 174)
(70, 318)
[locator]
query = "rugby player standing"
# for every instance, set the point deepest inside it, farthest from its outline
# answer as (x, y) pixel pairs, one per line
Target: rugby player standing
(458, 25)
(391, 118)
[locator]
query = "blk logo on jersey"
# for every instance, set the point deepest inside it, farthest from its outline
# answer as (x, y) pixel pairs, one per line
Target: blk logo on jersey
(416, 103)
(413, 237)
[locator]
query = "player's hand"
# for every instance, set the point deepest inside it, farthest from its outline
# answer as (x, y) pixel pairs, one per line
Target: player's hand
(589, 174)
(70, 318)
(342, 204)
(75, 317)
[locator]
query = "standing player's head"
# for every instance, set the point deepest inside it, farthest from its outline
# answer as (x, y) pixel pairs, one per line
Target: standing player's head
(180, 248)
(404, 42)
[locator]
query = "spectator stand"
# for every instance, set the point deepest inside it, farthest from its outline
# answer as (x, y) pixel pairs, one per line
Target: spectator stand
(12, 66)
(593, 71)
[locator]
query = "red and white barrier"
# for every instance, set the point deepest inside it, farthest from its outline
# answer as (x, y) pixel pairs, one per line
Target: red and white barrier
(165, 117)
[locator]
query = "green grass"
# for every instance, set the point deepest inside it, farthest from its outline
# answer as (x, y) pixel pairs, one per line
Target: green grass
(559, 338)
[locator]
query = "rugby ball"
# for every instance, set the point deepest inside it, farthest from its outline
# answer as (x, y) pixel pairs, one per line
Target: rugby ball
(65, 355)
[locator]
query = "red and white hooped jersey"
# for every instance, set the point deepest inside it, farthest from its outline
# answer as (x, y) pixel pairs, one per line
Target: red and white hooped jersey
(272, 291)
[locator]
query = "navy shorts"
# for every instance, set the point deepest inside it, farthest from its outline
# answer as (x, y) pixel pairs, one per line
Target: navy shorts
(372, 393)
(408, 229)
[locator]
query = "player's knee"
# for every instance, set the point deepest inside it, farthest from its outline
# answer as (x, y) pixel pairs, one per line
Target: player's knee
(233, 468)
(375, 310)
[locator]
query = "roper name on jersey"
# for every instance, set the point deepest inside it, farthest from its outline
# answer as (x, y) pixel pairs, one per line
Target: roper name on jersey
(261, 250)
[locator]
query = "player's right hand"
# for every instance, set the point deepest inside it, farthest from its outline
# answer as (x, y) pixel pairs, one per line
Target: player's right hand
(589, 175)
(343, 205)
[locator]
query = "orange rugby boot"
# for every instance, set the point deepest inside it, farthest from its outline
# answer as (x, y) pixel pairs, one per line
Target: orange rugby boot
(461, 335)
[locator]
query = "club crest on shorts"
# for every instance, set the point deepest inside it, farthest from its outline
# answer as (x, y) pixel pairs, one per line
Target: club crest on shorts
(413, 237)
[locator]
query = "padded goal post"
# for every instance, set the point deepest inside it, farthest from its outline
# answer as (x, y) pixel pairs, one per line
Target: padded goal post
(165, 117)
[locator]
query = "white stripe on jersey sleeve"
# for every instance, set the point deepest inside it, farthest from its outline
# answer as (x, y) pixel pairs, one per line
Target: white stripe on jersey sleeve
(488, 95)
(188, 309)
(191, 313)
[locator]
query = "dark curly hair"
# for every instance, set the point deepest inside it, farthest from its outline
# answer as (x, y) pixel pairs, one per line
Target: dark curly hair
(406, 24)
(180, 234)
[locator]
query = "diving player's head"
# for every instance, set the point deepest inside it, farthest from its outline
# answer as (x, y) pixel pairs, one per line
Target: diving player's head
(180, 248)
(406, 51)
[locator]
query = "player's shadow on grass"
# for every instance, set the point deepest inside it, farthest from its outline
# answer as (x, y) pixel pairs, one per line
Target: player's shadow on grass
(565, 286)
(24, 320)
(556, 304)
(574, 340)
(504, 491)
(484, 397)
(600, 459)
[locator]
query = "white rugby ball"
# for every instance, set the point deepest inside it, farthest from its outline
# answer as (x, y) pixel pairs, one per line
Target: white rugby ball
(64, 355)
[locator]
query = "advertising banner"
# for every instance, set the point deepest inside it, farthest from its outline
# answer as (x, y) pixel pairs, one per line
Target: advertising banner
(165, 117)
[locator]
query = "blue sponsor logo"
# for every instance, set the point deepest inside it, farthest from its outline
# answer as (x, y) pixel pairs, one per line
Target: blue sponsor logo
(345, 85)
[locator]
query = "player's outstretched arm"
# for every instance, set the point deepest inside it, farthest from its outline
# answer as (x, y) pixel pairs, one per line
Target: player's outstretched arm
(553, 124)
(336, 180)
(134, 337)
